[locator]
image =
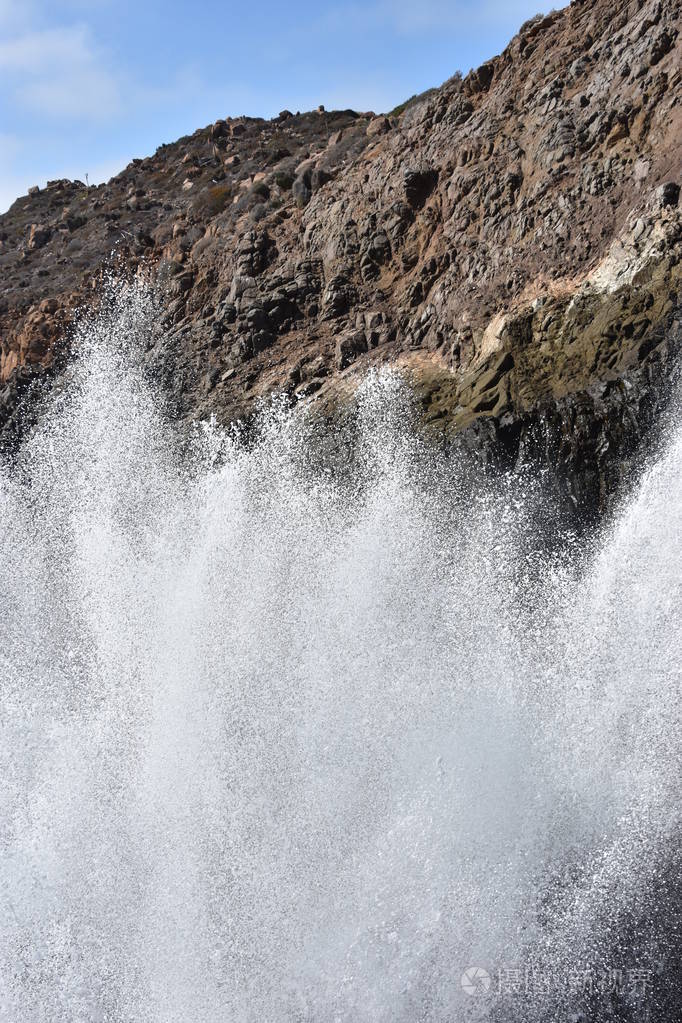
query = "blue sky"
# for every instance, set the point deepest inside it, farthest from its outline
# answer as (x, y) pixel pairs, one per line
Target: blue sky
(86, 85)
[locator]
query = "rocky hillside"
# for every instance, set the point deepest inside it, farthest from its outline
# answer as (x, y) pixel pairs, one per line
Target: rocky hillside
(512, 239)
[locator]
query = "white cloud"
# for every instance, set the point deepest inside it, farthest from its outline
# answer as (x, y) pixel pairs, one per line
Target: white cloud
(59, 72)
(52, 77)
(38, 52)
(56, 78)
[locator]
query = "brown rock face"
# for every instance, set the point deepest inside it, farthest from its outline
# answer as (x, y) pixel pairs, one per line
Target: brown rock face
(512, 239)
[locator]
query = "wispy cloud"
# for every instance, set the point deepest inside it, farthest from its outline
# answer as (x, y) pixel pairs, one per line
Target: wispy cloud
(58, 82)
(40, 52)
(59, 72)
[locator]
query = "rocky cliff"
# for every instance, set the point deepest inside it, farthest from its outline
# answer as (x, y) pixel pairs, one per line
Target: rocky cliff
(511, 239)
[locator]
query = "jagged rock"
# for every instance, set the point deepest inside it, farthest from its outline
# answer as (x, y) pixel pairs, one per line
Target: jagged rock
(512, 240)
(480, 79)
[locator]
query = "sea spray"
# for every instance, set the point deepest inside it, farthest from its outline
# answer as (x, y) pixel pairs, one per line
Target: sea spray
(281, 742)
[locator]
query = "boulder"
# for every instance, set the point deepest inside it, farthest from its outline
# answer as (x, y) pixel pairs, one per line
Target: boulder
(39, 235)
(378, 126)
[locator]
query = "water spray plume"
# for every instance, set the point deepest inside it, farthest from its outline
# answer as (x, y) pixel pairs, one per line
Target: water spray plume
(283, 743)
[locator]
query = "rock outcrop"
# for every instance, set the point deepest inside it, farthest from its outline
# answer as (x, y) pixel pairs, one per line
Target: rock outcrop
(512, 239)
